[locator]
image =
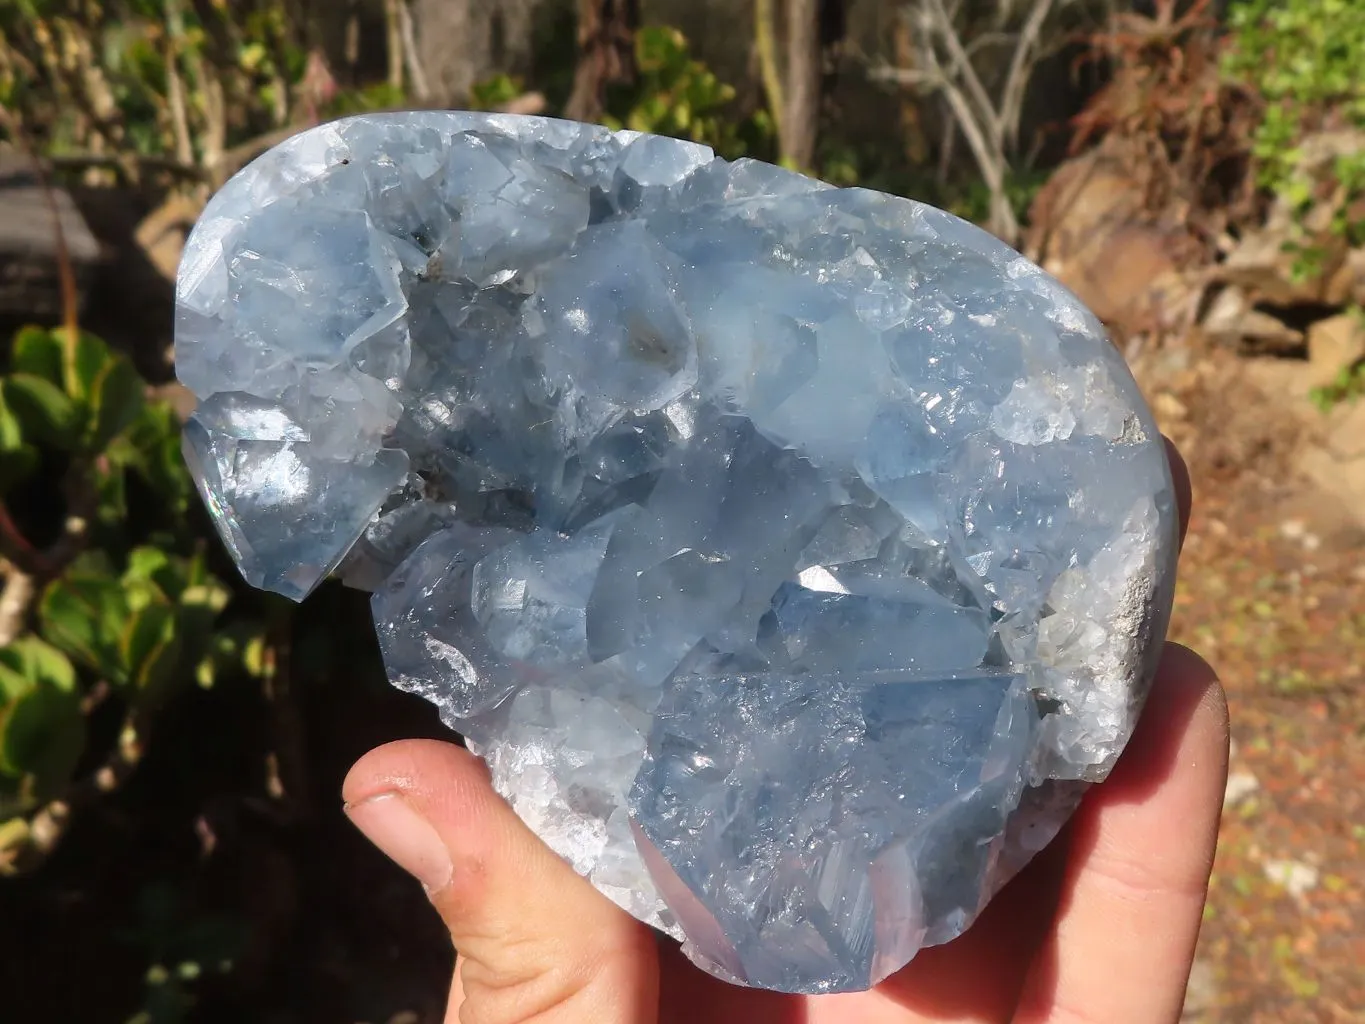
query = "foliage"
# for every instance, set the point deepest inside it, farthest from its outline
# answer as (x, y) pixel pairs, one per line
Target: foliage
(1347, 386)
(1349, 383)
(972, 200)
(367, 99)
(1304, 57)
(495, 92)
(117, 606)
(132, 81)
(183, 948)
(679, 96)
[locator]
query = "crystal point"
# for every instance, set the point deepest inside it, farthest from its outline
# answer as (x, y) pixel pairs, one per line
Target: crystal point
(795, 556)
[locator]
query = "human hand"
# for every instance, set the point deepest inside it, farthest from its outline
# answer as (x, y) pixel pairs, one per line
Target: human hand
(1101, 927)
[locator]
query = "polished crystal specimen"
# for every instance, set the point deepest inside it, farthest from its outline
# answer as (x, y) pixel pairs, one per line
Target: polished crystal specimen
(796, 556)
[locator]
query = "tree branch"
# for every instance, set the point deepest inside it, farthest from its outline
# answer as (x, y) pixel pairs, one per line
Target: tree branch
(985, 146)
(129, 165)
(25, 847)
(417, 75)
(940, 23)
(906, 76)
(1021, 70)
(175, 86)
(15, 601)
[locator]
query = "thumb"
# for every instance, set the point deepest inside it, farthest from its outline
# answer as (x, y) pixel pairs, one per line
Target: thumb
(536, 941)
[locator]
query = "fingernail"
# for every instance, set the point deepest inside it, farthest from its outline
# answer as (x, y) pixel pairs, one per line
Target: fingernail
(389, 821)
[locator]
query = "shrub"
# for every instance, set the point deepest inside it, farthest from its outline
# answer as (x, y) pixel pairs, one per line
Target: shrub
(1305, 57)
(108, 598)
(679, 96)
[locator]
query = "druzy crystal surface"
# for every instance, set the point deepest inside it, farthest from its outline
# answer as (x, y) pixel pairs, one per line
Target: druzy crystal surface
(795, 556)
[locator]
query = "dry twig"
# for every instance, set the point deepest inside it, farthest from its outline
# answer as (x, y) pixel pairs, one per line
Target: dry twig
(988, 114)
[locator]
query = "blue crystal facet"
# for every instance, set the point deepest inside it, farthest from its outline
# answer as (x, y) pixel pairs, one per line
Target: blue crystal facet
(795, 556)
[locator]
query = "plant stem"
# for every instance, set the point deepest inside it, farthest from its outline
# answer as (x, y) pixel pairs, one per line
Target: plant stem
(27, 848)
(15, 600)
(175, 86)
(766, 43)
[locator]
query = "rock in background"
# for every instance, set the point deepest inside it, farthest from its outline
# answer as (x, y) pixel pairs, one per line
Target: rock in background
(30, 283)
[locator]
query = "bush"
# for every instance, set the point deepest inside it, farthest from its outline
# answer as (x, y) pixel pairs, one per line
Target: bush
(1305, 58)
(108, 598)
(679, 96)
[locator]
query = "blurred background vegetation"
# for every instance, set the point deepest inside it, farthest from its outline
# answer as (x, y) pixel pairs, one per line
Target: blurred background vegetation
(171, 744)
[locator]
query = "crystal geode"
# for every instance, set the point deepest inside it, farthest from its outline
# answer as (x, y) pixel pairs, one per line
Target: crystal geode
(794, 555)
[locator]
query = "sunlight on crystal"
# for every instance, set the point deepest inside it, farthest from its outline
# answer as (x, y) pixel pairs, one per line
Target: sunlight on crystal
(795, 556)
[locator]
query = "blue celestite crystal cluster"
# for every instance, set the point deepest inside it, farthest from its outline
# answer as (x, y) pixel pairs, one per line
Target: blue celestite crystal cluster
(794, 555)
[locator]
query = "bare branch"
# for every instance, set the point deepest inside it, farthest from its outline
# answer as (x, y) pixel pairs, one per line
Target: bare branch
(1021, 69)
(175, 85)
(15, 601)
(25, 847)
(905, 76)
(947, 151)
(989, 160)
(940, 23)
(416, 73)
(129, 165)
(987, 108)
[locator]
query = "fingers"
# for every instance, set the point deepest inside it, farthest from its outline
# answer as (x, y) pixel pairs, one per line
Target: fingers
(976, 978)
(1142, 850)
(536, 941)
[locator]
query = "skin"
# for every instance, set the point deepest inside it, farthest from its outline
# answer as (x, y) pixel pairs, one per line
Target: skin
(1101, 927)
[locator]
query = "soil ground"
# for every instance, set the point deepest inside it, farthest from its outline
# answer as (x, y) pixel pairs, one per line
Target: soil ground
(1272, 592)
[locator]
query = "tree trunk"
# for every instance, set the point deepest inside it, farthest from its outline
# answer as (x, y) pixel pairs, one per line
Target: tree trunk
(606, 54)
(443, 31)
(393, 43)
(801, 114)
(792, 84)
(463, 42)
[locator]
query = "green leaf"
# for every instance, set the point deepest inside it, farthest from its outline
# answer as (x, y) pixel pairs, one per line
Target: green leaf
(38, 661)
(153, 565)
(14, 683)
(18, 458)
(43, 409)
(149, 647)
(36, 351)
(151, 448)
(42, 734)
(116, 397)
(111, 491)
(212, 596)
(84, 358)
(200, 606)
(84, 615)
